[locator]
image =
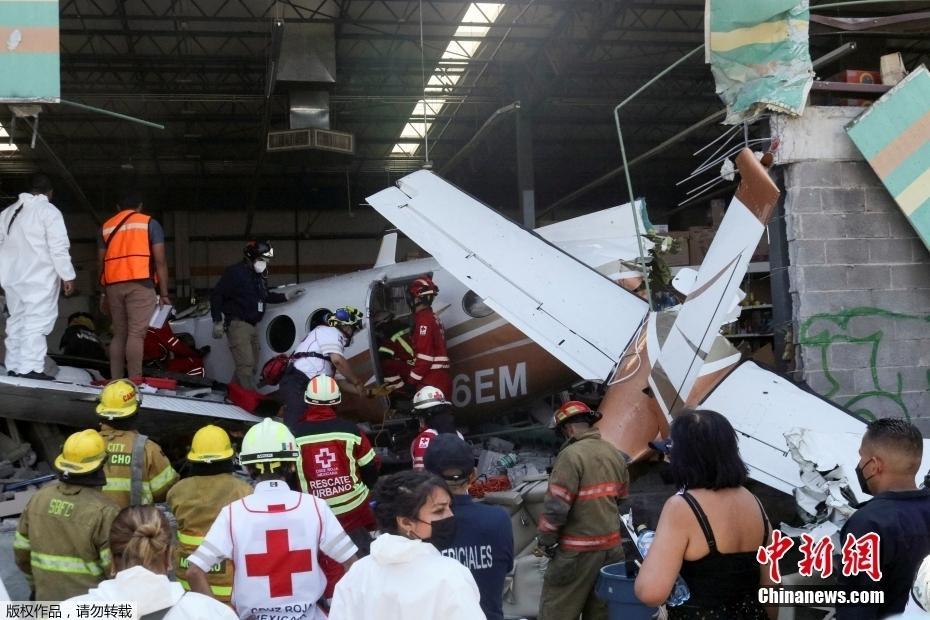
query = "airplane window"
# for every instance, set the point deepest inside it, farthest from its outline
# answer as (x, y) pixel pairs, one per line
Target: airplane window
(281, 333)
(474, 306)
(317, 318)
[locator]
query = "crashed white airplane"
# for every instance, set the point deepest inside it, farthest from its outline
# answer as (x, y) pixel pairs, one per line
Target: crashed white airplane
(496, 368)
(654, 363)
(526, 314)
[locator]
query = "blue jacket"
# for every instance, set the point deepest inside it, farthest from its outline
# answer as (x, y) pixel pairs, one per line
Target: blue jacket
(483, 544)
(902, 521)
(241, 294)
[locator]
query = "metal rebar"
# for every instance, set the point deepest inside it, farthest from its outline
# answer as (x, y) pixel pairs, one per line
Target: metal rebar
(829, 57)
(90, 108)
(626, 167)
(492, 121)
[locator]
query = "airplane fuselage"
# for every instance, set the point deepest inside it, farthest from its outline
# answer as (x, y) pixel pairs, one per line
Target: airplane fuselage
(495, 367)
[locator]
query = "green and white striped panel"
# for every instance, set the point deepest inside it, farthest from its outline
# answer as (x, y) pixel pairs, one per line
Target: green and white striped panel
(759, 55)
(894, 137)
(29, 51)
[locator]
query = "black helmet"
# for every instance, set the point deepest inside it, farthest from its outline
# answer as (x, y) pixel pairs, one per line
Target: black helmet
(258, 249)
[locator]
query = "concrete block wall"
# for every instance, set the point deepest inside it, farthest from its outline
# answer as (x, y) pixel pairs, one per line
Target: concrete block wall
(859, 278)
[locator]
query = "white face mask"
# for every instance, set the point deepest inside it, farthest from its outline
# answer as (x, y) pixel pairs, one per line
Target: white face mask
(260, 266)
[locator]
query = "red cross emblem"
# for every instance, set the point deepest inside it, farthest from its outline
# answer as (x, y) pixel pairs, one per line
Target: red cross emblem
(278, 563)
(325, 458)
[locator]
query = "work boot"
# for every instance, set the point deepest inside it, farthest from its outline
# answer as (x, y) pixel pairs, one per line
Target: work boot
(40, 376)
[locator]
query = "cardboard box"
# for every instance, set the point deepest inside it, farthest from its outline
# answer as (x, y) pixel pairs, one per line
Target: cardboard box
(683, 255)
(701, 239)
(857, 76)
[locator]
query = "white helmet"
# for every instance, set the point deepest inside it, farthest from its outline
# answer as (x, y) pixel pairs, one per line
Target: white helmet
(921, 589)
(268, 442)
(428, 397)
(322, 390)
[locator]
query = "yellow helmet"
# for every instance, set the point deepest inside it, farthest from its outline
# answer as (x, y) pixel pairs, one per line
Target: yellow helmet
(119, 399)
(211, 443)
(84, 452)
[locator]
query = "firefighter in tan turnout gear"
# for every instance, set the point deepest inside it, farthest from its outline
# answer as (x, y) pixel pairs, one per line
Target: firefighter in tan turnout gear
(197, 499)
(579, 528)
(138, 473)
(62, 539)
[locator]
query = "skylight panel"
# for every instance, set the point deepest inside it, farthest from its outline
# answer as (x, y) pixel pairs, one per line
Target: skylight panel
(5, 146)
(464, 45)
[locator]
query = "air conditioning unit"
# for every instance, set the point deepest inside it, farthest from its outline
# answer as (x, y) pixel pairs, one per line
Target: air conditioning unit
(321, 139)
(338, 141)
(292, 140)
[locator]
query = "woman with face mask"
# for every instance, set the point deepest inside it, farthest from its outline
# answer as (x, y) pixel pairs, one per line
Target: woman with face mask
(406, 577)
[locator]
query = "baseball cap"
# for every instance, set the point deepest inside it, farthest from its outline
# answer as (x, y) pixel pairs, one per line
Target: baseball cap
(449, 457)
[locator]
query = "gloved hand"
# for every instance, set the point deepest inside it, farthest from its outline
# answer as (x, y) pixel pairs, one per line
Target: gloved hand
(219, 330)
(545, 550)
(380, 390)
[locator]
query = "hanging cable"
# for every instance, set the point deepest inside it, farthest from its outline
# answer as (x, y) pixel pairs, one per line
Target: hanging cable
(423, 81)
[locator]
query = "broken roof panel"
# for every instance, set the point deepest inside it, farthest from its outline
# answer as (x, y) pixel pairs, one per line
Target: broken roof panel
(894, 137)
(759, 55)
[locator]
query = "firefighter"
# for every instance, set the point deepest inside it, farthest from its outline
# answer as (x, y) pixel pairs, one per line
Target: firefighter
(137, 470)
(274, 537)
(394, 350)
(166, 351)
(435, 415)
(61, 542)
(196, 500)
(431, 364)
(579, 529)
(338, 462)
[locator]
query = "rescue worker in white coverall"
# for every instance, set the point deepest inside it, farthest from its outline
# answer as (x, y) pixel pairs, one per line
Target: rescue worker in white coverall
(34, 264)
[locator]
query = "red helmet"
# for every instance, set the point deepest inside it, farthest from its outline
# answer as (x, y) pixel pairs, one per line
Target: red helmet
(422, 287)
(571, 411)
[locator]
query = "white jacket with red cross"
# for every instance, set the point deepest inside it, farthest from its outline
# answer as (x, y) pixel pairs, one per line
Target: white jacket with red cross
(274, 538)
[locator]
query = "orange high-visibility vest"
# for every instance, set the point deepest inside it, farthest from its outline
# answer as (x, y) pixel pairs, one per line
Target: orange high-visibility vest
(128, 253)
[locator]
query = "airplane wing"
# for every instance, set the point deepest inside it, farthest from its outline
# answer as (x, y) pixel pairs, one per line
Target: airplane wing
(601, 240)
(73, 404)
(709, 302)
(577, 315)
(763, 406)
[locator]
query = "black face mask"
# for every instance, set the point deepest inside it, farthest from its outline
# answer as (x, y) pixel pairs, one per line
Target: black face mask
(863, 481)
(443, 533)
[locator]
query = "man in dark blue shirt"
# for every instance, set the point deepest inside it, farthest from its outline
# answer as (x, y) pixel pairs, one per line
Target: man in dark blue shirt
(899, 513)
(483, 535)
(237, 304)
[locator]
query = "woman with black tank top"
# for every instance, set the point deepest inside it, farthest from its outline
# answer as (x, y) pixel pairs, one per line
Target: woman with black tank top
(710, 530)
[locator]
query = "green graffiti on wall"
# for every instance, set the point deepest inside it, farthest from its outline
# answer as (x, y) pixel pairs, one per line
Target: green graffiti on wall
(824, 331)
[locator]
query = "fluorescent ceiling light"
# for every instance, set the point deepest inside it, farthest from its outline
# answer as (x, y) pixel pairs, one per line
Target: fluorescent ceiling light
(447, 75)
(5, 146)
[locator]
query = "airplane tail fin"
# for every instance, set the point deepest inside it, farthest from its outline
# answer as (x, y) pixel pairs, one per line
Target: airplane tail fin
(387, 253)
(709, 302)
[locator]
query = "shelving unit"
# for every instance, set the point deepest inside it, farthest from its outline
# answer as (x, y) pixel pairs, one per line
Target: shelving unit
(753, 330)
